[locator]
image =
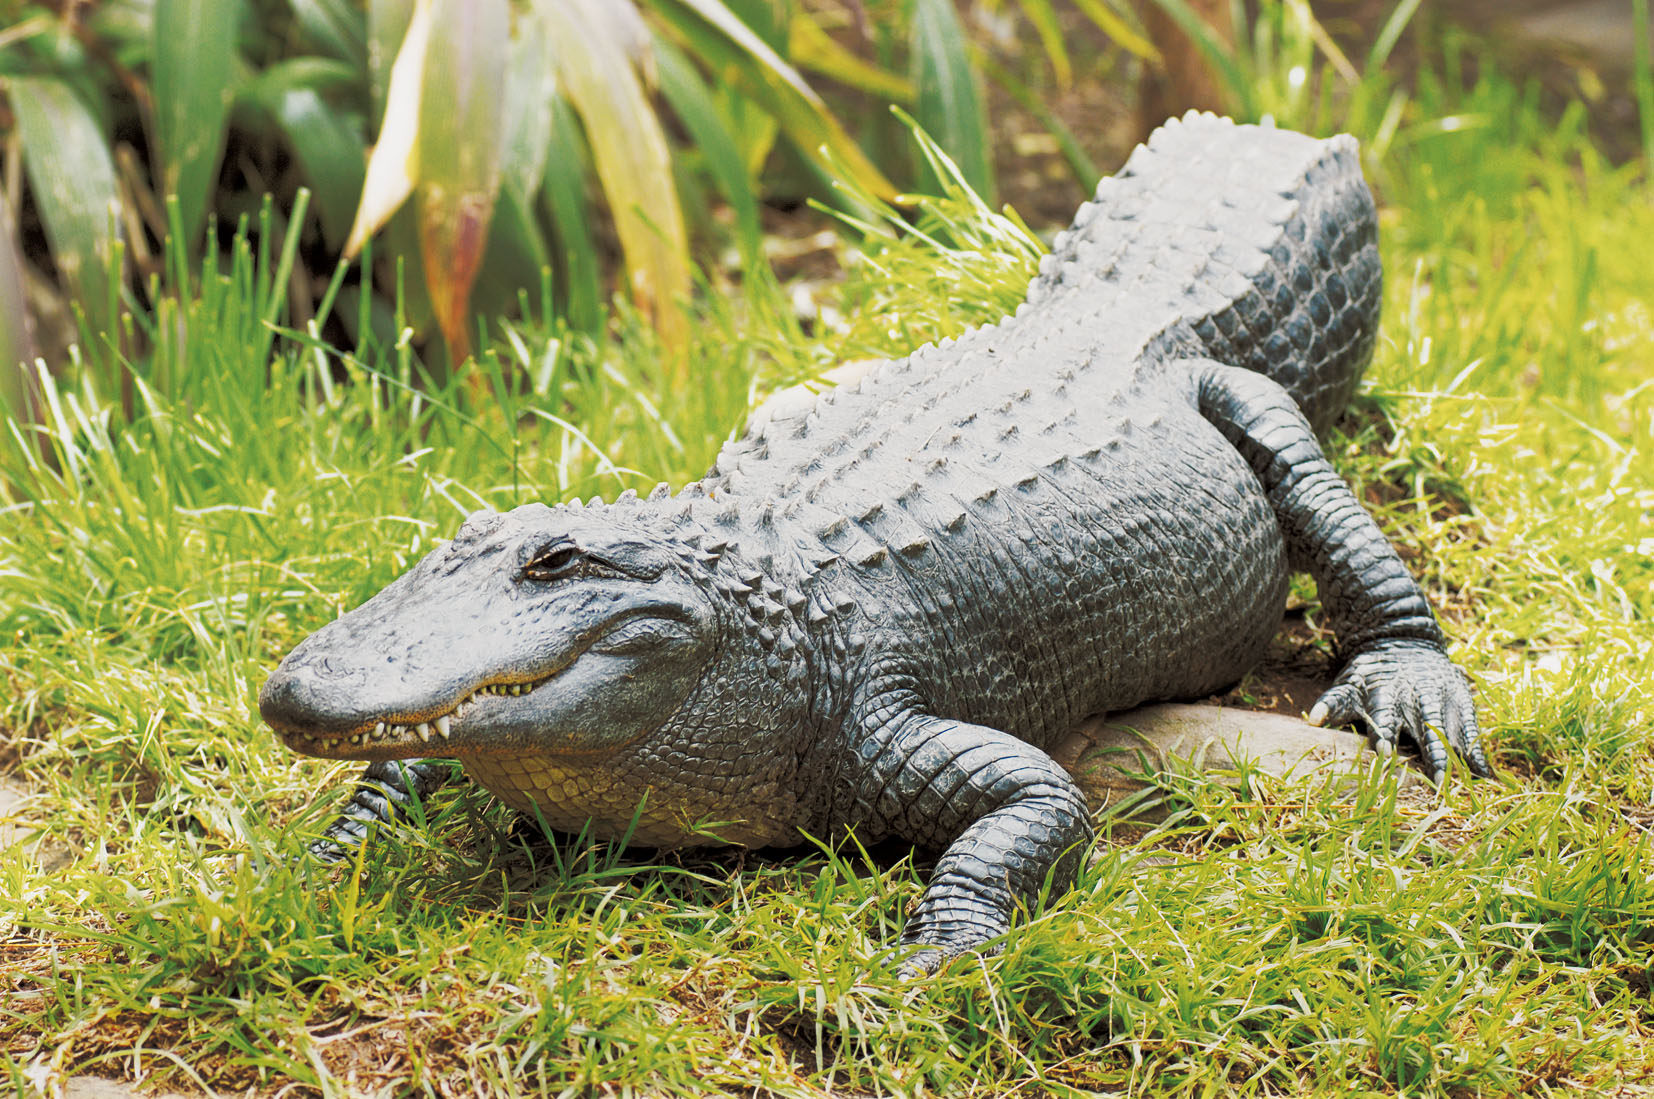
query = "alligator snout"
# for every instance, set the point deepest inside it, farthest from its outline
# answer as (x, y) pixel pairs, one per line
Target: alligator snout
(314, 695)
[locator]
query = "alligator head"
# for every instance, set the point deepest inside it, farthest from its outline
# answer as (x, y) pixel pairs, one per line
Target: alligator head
(553, 629)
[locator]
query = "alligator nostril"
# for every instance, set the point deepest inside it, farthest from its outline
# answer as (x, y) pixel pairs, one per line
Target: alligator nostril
(329, 668)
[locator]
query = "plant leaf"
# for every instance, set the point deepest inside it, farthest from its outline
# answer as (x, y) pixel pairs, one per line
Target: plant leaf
(331, 153)
(388, 23)
(1043, 16)
(459, 150)
(530, 91)
(949, 104)
(391, 171)
(698, 111)
(17, 398)
(72, 179)
(194, 66)
(335, 26)
(564, 188)
(1123, 33)
(812, 48)
(287, 97)
(632, 159)
(730, 48)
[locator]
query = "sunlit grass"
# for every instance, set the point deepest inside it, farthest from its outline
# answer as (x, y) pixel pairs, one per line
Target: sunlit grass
(1275, 940)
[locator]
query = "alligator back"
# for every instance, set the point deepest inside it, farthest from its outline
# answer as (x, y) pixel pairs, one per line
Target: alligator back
(1253, 246)
(1036, 517)
(1263, 241)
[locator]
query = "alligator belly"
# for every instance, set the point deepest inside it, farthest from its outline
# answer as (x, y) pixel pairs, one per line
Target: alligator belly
(614, 803)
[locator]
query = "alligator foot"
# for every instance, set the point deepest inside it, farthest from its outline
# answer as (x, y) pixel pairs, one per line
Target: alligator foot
(1407, 686)
(1010, 819)
(386, 788)
(1396, 675)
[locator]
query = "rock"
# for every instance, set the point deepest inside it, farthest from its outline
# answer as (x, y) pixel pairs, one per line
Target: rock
(1116, 758)
(96, 1087)
(12, 796)
(49, 853)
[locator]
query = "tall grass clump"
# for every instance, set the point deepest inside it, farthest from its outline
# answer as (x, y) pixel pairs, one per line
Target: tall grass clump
(159, 550)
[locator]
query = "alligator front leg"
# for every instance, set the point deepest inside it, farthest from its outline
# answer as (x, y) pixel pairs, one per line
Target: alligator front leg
(1007, 817)
(1396, 676)
(386, 788)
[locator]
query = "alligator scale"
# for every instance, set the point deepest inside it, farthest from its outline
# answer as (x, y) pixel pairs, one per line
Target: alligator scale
(877, 612)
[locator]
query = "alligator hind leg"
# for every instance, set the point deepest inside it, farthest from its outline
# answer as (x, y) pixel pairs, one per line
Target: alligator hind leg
(1007, 816)
(1396, 676)
(386, 788)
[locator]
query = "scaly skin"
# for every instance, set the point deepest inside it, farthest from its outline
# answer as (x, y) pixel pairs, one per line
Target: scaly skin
(879, 612)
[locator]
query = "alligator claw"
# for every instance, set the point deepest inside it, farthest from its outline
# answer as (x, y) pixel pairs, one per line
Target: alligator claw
(1408, 687)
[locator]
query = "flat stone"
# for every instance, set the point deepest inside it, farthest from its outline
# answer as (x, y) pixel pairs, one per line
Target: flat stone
(1115, 758)
(49, 854)
(96, 1087)
(12, 796)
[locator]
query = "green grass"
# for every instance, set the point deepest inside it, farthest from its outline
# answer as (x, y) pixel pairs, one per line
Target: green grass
(1274, 940)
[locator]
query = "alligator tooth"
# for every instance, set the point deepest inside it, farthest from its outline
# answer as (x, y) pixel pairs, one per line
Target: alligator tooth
(379, 729)
(442, 726)
(424, 731)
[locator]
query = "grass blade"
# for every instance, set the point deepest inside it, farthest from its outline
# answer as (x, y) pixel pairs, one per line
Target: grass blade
(459, 151)
(1391, 33)
(949, 104)
(194, 68)
(72, 179)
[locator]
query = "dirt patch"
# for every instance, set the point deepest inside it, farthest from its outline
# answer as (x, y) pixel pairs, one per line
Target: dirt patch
(1295, 672)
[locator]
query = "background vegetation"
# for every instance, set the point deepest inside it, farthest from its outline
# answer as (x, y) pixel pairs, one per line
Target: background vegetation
(247, 440)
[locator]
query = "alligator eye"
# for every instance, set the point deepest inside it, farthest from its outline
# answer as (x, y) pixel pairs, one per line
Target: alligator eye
(553, 563)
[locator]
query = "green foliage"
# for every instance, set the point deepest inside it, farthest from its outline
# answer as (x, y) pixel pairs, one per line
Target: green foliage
(949, 102)
(115, 107)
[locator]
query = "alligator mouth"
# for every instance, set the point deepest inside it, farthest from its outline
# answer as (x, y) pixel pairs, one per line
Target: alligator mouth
(391, 732)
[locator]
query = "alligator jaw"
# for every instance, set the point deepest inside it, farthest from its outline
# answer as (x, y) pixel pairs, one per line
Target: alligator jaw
(415, 733)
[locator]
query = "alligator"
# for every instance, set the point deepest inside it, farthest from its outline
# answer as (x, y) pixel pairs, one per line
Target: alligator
(880, 608)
